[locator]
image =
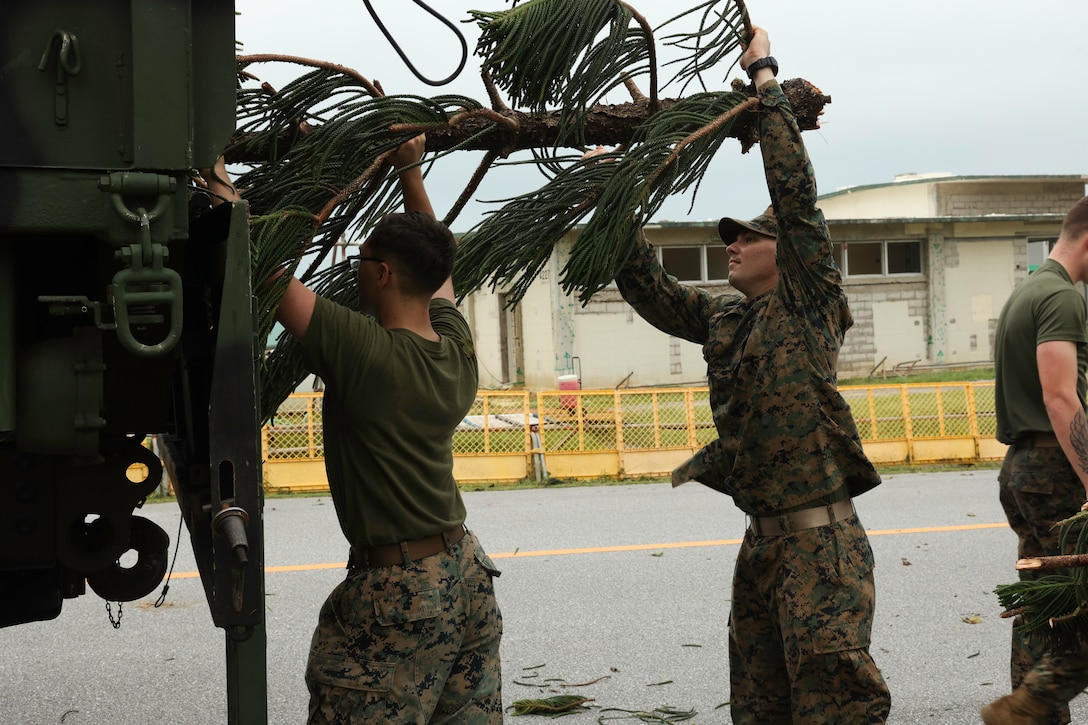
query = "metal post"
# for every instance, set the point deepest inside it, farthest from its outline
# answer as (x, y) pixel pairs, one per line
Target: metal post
(247, 689)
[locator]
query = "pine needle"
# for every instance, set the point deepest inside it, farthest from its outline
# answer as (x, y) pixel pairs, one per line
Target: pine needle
(663, 715)
(722, 28)
(557, 705)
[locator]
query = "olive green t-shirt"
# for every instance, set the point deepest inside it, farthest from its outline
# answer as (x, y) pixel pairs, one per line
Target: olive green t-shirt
(392, 402)
(1045, 307)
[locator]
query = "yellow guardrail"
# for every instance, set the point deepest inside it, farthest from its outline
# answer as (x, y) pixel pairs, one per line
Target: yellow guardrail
(583, 434)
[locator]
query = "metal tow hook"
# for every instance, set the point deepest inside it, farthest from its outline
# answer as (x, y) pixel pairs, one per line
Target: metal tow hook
(231, 523)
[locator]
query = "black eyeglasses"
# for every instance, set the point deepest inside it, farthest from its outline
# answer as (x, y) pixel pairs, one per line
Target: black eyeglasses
(354, 261)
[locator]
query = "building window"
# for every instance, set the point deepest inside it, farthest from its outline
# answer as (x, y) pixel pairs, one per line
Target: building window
(904, 257)
(702, 263)
(1038, 251)
(684, 263)
(710, 262)
(879, 259)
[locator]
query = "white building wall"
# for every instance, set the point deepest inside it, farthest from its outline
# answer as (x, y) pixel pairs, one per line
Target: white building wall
(538, 334)
(482, 311)
(616, 346)
(979, 275)
(886, 202)
(899, 337)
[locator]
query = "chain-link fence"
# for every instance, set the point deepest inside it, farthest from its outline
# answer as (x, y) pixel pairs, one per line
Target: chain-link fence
(498, 422)
(605, 420)
(295, 431)
(649, 431)
(920, 411)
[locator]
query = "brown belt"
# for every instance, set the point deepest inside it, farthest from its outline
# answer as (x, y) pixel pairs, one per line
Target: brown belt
(1038, 440)
(406, 551)
(798, 520)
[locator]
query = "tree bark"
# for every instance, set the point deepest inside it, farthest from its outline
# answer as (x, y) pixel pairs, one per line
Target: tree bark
(1043, 563)
(606, 125)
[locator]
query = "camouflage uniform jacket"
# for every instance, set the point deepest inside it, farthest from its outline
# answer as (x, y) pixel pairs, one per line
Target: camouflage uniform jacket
(786, 436)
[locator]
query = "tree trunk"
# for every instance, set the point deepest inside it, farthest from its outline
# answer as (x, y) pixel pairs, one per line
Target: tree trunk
(605, 126)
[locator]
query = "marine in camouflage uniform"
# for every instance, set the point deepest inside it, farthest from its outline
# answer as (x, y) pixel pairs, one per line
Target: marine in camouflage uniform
(1037, 484)
(803, 594)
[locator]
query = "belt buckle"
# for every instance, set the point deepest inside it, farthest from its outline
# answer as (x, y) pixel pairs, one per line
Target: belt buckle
(784, 524)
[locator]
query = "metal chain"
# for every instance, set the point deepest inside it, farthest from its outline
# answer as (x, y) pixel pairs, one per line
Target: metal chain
(109, 613)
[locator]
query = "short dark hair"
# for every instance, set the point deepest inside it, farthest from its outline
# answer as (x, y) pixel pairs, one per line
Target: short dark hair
(1075, 224)
(423, 247)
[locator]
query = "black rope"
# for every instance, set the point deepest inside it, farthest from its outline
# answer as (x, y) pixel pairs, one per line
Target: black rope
(166, 586)
(396, 47)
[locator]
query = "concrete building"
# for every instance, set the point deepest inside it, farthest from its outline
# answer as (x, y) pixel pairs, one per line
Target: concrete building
(927, 260)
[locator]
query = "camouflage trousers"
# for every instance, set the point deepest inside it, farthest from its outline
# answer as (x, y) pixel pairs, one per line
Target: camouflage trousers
(1038, 487)
(414, 644)
(799, 630)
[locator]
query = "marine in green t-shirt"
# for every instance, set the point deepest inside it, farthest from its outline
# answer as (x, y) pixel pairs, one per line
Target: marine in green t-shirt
(1040, 361)
(392, 402)
(1045, 307)
(412, 634)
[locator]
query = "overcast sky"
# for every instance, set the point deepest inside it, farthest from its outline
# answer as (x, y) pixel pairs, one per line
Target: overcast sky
(963, 86)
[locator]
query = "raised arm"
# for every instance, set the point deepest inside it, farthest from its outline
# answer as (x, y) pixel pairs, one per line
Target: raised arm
(297, 305)
(791, 180)
(406, 159)
(809, 281)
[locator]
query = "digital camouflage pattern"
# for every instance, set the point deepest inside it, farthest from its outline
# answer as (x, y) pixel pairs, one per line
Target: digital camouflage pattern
(803, 602)
(410, 644)
(799, 629)
(1037, 489)
(771, 361)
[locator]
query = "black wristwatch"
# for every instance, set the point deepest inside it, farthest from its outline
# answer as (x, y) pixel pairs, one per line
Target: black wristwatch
(768, 62)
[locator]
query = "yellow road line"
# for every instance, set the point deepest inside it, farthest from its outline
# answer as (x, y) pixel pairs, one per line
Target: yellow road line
(930, 529)
(631, 547)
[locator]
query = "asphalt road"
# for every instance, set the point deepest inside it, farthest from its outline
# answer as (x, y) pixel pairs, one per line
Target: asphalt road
(626, 583)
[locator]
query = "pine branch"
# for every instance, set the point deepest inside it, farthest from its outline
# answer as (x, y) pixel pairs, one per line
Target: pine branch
(605, 125)
(1053, 607)
(317, 150)
(667, 155)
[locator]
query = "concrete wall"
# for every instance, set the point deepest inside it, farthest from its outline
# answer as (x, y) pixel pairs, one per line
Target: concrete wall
(617, 346)
(979, 198)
